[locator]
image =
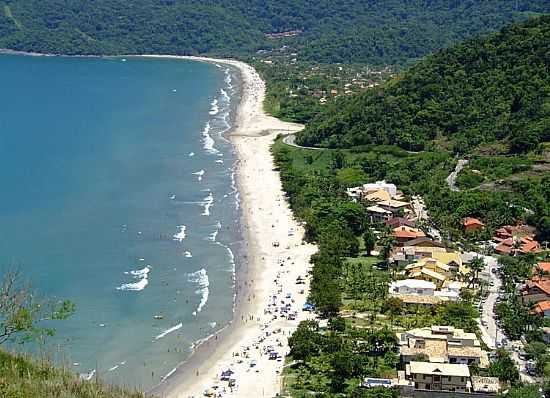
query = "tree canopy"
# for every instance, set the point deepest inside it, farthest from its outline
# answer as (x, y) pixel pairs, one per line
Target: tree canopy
(372, 31)
(485, 90)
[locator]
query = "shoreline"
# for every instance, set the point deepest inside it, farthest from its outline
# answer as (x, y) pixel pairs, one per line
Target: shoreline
(265, 218)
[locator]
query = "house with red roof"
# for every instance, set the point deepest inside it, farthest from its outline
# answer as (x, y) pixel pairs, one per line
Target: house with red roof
(471, 224)
(536, 291)
(403, 234)
(543, 308)
(518, 245)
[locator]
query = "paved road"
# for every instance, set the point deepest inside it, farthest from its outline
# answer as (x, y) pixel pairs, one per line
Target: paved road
(290, 139)
(419, 209)
(491, 334)
(451, 179)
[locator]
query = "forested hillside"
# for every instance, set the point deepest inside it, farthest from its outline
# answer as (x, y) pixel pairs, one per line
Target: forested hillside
(373, 31)
(486, 90)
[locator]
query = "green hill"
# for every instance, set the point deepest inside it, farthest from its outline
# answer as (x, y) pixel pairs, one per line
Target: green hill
(487, 90)
(24, 378)
(373, 31)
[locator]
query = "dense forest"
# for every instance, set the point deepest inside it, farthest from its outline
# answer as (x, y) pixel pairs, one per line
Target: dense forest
(373, 31)
(486, 90)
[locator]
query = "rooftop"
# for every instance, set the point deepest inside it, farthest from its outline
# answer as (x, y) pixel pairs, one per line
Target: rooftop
(447, 369)
(470, 221)
(378, 209)
(414, 283)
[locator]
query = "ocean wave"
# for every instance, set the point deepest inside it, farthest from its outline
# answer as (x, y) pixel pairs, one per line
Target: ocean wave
(199, 174)
(214, 108)
(214, 234)
(207, 203)
(212, 324)
(88, 376)
(142, 275)
(191, 154)
(228, 79)
(208, 141)
(168, 331)
(200, 277)
(188, 254)
(168, 374)
(180, 236)
(225, 95)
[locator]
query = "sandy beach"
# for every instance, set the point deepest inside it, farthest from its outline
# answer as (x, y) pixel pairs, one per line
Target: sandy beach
(273, 285)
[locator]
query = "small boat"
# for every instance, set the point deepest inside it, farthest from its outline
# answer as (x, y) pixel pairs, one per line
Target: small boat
(159, 316)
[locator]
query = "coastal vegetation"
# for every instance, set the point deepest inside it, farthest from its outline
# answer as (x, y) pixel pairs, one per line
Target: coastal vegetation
(23, 377)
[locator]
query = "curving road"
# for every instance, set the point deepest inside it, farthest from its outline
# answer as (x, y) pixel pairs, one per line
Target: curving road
(290, 139)
(451, 180)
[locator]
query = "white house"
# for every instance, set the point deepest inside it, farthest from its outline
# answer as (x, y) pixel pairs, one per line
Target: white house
(412, 287)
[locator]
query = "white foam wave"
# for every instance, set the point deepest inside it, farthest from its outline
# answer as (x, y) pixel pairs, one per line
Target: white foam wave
(214, 234)
(113, 368)
(228, 78)
(212, 324)
(225, 95)
(188, 254)
(191, 154)
(207, 203)
(214, 108)
(168, 331)
(208, 141)
(168, 374)
(200, 277)
(199, 174)
(88, 376)
(180, 236)
(219, 161)
(142, 275)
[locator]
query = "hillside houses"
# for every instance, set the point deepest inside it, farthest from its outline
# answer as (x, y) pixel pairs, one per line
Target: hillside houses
(383, 199)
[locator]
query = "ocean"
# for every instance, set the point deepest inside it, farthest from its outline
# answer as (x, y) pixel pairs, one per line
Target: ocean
(119, 195)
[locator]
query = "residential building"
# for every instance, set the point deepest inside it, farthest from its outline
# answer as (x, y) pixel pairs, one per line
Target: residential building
(431, 270)
(406, 255)
(543, 308)
(439, 376)
(442, 344)
(471, 224)
(536, 291)
(377, 196)
(399, 222)
(412, 287)
(395, 206)
(517, 245)
(378, 215)
(414, 291)
(403, 234)
(388, 187)
(360, 192)
(546, 334)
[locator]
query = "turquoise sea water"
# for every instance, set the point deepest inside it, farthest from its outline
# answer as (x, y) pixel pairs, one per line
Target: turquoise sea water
(117, 193)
